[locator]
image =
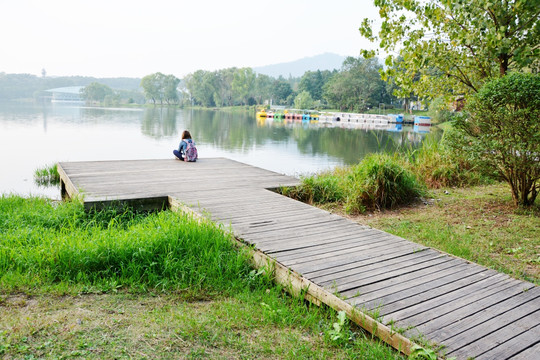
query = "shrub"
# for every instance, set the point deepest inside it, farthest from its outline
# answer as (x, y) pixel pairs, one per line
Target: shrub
(380, 181)
(500, 131)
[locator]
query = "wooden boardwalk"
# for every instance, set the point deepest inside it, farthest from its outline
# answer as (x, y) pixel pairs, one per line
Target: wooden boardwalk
(471, 310)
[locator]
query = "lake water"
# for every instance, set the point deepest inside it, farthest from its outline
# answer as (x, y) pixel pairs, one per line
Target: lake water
(34, 136)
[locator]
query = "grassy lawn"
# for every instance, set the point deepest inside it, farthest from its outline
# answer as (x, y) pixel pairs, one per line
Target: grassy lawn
(479, 224)
(120, 284)
(167, 326)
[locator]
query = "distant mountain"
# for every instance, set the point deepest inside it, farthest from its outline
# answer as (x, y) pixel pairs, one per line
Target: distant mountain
(297, 68)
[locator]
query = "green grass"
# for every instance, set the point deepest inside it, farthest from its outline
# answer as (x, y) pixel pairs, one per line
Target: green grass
(122, 284)
(380, 181)
(47, 175)
(48, 244)
(437, 166)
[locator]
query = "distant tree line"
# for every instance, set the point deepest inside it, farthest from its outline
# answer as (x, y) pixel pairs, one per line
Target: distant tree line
(26, 86)
(356, 87)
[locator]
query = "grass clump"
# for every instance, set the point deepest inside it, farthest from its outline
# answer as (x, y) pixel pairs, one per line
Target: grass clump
(380, 181)
(46, 244)
(438, 166)
(47, 175)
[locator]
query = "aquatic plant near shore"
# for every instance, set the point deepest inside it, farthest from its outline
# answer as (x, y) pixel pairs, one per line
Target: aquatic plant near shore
(47, 175)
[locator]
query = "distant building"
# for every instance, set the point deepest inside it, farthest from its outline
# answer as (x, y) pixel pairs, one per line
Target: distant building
(70, 94)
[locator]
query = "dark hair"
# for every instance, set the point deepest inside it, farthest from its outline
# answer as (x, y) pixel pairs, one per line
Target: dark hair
(186, 135)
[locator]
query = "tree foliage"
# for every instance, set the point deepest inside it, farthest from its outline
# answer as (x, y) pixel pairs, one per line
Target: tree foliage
(313, 82)
(227, 87)
(160, 87)
(357, 87)
(501, 132)
(96, 92)
(303, 100)
(282, 91)
(455, 46)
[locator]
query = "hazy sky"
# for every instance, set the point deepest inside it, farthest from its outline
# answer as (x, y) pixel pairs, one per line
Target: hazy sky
(112, 38)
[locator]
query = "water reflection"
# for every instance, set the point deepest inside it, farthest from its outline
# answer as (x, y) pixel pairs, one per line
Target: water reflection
(159, 122)
(35, 135)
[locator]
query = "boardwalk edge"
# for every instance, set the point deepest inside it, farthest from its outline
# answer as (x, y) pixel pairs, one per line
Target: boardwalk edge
(297, 285)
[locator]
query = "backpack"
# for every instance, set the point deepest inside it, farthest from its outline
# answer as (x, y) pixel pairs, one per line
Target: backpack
(190, 152)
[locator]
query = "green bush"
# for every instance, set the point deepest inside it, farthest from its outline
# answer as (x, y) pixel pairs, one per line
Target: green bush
(500, 132)
(379, 182)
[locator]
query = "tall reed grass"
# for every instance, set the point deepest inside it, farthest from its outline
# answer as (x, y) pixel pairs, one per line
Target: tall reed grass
(379, 181)
(60, 245)
(384, 181)
(438, 166)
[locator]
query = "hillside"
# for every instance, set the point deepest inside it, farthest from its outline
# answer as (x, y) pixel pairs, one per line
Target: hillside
(297, 68)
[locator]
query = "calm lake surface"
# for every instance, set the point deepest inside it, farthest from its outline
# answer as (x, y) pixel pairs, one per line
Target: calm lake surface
(34, 136)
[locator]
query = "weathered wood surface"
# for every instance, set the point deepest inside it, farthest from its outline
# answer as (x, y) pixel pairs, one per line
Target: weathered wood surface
(471, 310)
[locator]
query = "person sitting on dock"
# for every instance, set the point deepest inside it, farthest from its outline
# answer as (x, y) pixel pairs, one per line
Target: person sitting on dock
(186, 150)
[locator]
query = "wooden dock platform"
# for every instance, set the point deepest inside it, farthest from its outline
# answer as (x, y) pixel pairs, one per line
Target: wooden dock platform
(472, 311)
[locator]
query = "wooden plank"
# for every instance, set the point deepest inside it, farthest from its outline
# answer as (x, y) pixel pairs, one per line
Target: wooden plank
(506, 330)
(478, 303)
(529, 353)
(500, 304)
(285, 235)
(289, 225)
(355, 289)
(349, 283)
(346, 257)
(295, 248)
(272, 243)
(383, 269)
(439, 304)
(396, 292)
(325, 247)
(421, 294)
(335, 265)
(350, 247)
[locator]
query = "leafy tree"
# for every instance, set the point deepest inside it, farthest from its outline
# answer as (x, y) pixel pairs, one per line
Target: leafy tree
(171, 88)
(243, 84)
(502, 132)
(263, 88)
(281, 90)
(455, 46)
(96, 92)
(314, 81)
(153, 87)
(202, 86)
(303, 101)
(358, 86)
(224, 95)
